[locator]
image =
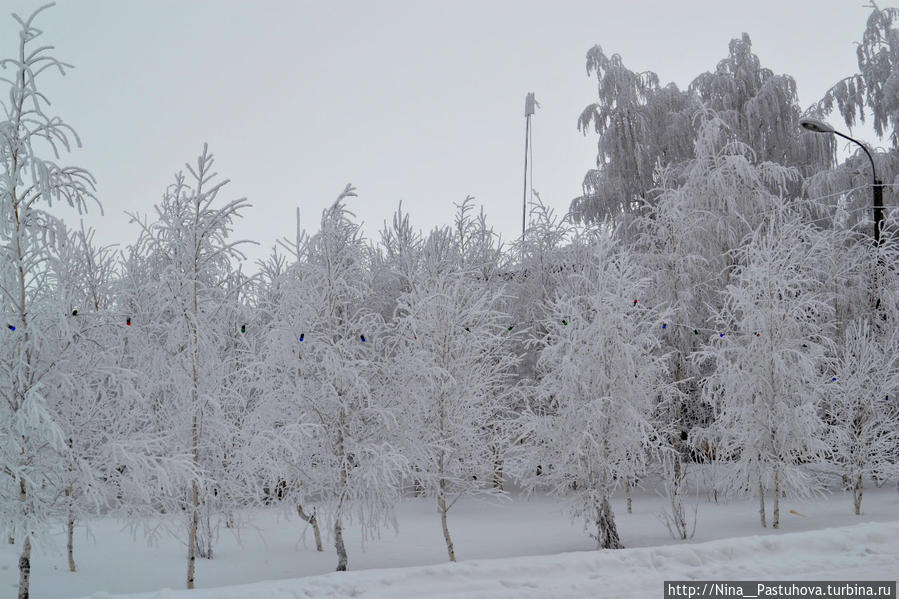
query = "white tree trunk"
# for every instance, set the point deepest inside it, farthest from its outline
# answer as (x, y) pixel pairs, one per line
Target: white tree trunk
(25, 557)
(192, 536)
(313, 521)
(762, 503)
(25, 569)
(857, 495)
(70, 541)
(606, 531)
(443, 509)
(205, 533)
(627, 494)
(339, 546)
(776, 523)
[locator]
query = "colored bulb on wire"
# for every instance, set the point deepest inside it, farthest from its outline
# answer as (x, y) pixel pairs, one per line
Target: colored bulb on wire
(720, 335)
(635, 302)
(467, 329)
(695, 331)
(302, 336)
(362, 337)
(74, 312)
(564, 323)
(10, 327)
(510, 328)
(833, 379)
(664, 325)
(243, 328)
(128, 321)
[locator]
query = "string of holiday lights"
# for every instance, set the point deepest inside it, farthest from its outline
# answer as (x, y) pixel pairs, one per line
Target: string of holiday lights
(520, 325)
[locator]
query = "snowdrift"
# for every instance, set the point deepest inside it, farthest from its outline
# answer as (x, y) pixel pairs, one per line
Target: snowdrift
(864, 551)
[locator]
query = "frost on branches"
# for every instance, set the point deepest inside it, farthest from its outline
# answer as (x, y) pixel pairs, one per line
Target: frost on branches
(342, 420)
(453, 364)
(188, 296)
(766, 381)
(599, 378)
(32, 443)
(860, 408)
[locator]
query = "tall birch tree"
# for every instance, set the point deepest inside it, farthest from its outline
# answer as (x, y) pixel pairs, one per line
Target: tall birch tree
(32, 440)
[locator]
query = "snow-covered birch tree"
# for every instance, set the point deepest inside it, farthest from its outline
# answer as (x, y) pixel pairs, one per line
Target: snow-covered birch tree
(600, 373)
(772, 335)
(31, 441)
(344, 448)
(453, 363)
(861, 420)
(191, 254)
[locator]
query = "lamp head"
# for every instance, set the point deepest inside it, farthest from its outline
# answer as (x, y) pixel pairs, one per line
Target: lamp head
(815, 125)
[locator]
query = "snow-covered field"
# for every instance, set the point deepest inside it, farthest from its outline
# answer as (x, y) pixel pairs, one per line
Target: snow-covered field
(544, 554)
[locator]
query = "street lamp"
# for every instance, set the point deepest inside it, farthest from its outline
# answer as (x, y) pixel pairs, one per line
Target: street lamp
(817, 126)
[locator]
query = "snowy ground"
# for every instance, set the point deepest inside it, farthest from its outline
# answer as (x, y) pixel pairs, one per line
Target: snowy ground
(111, 561)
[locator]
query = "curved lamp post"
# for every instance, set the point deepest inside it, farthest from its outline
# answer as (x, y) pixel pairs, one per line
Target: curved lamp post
(817, 126)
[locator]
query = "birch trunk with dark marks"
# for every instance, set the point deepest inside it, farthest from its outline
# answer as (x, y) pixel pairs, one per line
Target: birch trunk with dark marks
(627, 494)
(443, 509)
(857, 495)
(776, 522)
(204, 533)
(339, 546)
(70, 541)
(338, 524)
(25, 557)
(762, 503)
(192, 537)
(25, 569)
(606, 531)
(195, 431)
(70, 521)
(312, 521)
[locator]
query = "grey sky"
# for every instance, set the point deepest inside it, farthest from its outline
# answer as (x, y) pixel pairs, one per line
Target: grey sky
(414, 101)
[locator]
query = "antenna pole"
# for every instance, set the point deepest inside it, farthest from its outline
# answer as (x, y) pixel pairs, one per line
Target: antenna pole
(530, 105)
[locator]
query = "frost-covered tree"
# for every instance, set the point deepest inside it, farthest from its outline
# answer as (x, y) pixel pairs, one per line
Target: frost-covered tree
(762, 110)
(84, 394)
(875, 87)
(639, 123)
(542, 263)
(704, 210)
(872, 92)
(345, 420)
(642, 125)
(188, 296)
(858, 410)
(772, 337)
(285, 317)
(453, 365)
(600, 372)
(395, 262)
(31, 440)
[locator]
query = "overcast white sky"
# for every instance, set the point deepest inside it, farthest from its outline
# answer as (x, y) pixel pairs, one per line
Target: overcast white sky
(415, 101)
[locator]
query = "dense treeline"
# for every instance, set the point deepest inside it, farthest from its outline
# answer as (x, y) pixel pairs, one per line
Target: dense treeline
(714, 295)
